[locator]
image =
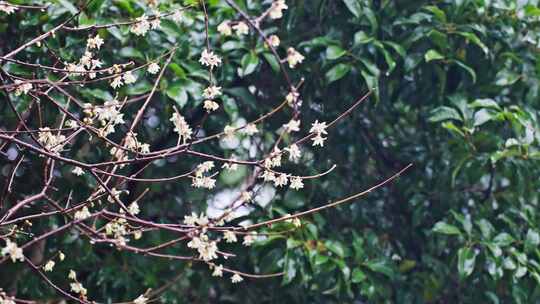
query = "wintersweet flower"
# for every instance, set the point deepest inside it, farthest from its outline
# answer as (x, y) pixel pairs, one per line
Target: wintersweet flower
(224, 28)
(212, 92)
(241, 28)
(210, 105)
(14, 252)
(208, 58)
(153, 68)
(236, 278)
(276, 11)
(294, 57)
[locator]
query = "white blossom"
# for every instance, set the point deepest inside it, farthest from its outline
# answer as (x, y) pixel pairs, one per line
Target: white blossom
(51, 142)
(294, 152)
(133, 208)
(181, 127)
(292, 126)
(156, 22)
(141, 300)
(274, 41)
(72, 275)
(7, 8)
(276, 11)
(212, 92)
(294, 57)
(281, 180)
(218, 271)
(177, 16)
(141, 26)
(82, 214)
(246, 196)
(22, 87)
(230, 237)
(77, 171)
(249, 239)
(14, 252)
(78, 288)
(241, 28)
(318, 127)
(224, 28)
(129, 78)
(153, 68)
(49, 266)
(296, 183)
(94, 42)
(318, 140)
(208, 58)
(291, 98)
(250, 129)
(117, 82)
(236, 278)
(229, 132)
(210, 105)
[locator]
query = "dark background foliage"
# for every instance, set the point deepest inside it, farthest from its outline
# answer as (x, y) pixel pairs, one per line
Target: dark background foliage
(455, 93)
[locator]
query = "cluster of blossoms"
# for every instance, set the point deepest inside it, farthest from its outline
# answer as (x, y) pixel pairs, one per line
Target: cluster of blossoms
(7, 8)
(108, 115)
(22, 87)
(87, 64)
(319, 129)
(226, 28)
(76, 286)
(51, 142)
(275, 11)
(207, 249)
(5, 299)
(133, 144)
(125, 79)
(143, 24)
(82, 214)
(181, 127)
(48, 267)
(200, 180)
(13, 251)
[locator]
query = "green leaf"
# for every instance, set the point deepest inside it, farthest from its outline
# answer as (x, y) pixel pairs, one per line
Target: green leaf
(506, 78)
(433, 55)
(474, 39)
(336, 247)
(444, 113)
(272, 61)
(483, 116)
(485, 228)
(532, 240)
(503, 239)
(437, 12)
(337, 72)
(361, 37)
(354, 7)
(444, 228)
(334, 52)
(485, 103)
(380, 266)
(466, 261)
(249, 63)
(467, 68)
(69, 6)
(139, 88)
(130, 52)
(177, 93)
(358, 276)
